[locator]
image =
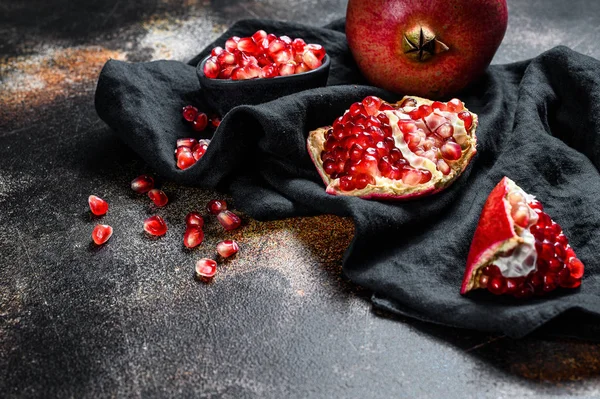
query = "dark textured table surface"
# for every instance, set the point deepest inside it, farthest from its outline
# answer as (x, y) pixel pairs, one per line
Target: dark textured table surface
(128, 319)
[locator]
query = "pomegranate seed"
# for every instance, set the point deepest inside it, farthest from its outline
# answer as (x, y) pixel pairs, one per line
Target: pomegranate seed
(287, 69)
(550, 282)
(497, 285)
(451, 151)
(454, 105)
(199, 150)
(189, 113)
(211, 68)
(270, 71)
(347, 183)
(98, 206)
(216, 206)
(443, 167)
(229, 220)
(248, 45)
(438, 105)
(576, 268)
(311, 60)
(181, 149)
(227, 248)
(259, 36)
(484, 280)
(409, 102)
(155, 225)
(216, 51)
(564, 277)
(206, 268)
(193, 236)
(101, 233)
(467, 118)
(298, 45)
(142, 184)
(300, 68)
(317, 50)
(231, 44)
(194, 219)
(187, 142)
(185, 159)
(283, 57)
(226, 72)
(412, 177)
(371, 104)
(520, 215)
(276, 46)
(200, 122)
(158, 197)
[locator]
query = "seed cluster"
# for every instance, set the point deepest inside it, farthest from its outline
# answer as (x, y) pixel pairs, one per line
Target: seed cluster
(556, 265)
(360, 146)
(262, 55)
(189, 150)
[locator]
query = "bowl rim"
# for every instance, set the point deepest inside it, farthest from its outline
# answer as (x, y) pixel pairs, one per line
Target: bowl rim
(200, 69)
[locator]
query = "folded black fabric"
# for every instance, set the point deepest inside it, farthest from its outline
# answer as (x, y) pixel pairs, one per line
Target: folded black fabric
(539, 125)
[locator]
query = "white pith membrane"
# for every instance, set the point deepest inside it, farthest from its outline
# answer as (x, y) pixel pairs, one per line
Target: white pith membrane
(385, 186)
(521, 257)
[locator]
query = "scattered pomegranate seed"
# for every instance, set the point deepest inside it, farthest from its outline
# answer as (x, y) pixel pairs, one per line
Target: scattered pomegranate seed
(158, 197)
(199, 124)
(206, 268)
(189, 113)
(185, 159)
(142, 184)
(101, 233)
(215, 121)
(216, 206)
(193, 236)
(263, 55)
(98, 206)
(229, 220)
(227, 248)
(155, 225)
(194, 219)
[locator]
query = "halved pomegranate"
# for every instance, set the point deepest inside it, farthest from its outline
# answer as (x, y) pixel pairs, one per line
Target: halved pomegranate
(409, 149)
(518, 249)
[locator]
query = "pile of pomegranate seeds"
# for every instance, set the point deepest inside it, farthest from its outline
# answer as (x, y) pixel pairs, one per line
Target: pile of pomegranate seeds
(98, 206)
(155, 226)
(101, 233)
(194, 235)
(361, 146)
(556, 265)
(189, 150)
(262, 56)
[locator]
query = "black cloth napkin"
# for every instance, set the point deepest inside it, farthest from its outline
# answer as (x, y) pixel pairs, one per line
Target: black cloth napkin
(539, 125)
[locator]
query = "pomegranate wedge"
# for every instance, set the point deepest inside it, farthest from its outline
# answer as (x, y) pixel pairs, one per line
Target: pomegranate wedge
(518, 249)
(409, 149)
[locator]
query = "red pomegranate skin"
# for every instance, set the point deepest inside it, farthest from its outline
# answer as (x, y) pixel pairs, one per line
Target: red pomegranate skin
(472, 30)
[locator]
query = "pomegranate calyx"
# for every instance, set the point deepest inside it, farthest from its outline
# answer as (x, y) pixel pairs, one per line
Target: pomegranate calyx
(421, 44)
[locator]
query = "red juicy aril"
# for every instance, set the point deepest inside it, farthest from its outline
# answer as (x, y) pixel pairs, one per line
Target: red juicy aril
(262, 56)
(518, 249)
(194, 219)
(98, 206)
(409, 149)
(189, 151)
(155, 225)
(216, 206)
(206, 268)
(193, 236)
(430, 48)
(229, 220)
(142, 184)
(159, 198)
(101, 233)
(227, 248)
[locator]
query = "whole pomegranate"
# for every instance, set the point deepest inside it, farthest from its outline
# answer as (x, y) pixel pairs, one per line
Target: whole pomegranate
(429, 48)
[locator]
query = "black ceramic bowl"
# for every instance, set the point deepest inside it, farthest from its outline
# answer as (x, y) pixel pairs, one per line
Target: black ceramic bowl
(224, 94)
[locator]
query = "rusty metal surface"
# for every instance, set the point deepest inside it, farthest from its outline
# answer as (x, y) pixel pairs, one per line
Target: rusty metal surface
(279, 320)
